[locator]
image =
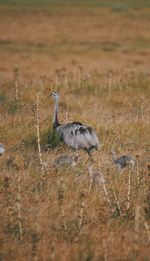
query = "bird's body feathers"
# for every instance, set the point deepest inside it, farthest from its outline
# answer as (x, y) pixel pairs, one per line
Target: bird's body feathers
(65, 161)
(96, 177)
(122, 161)
(78, 136)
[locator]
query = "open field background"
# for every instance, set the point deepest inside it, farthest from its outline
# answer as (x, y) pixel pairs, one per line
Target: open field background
(98, 57)
(102, 38)
(86, 3)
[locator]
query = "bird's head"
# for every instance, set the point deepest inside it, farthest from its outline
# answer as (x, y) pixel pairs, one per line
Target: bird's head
(112, 152)
(54, 95)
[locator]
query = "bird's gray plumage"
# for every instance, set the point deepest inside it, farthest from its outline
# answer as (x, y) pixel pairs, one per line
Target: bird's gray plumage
(2, 149)
(78, 136)
(122, 161)
(75, 135)
(65, 161)
(96, 177)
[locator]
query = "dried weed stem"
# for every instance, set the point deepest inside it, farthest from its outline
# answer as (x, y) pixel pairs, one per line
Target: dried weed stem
(16, 91)
(136, 226)
(117, 201)
(19, 206)
(129, 191)
(110, 83)
(147, 228)
(81, 214)
(38, 135)
(63, 218)
(105, 250)
(106, 193)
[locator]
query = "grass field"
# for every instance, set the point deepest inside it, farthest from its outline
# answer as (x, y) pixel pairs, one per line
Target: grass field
(98, 3)
(98, 58)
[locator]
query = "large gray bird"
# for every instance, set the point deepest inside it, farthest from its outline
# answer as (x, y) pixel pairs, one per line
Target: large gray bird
(75, 135)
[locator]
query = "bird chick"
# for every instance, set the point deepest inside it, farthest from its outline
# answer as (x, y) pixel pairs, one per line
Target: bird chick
(122, 161)
(2, 149)
(65, 161)
(96, 177)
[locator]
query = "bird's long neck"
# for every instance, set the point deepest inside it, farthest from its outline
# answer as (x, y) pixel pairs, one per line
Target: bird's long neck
(55, 116)
(90, 170)
(113, 156)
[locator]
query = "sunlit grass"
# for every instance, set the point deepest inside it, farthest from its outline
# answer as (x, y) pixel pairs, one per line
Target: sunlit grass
(62, 204)
(62, 215)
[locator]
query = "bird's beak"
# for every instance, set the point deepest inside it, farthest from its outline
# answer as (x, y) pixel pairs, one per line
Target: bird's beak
(50, 94)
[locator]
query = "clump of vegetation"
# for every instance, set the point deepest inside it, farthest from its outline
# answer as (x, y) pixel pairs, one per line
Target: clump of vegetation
(12, 107)
(2, 98)
(50, 138)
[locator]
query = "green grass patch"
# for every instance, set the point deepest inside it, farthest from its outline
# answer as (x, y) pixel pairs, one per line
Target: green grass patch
(142, 43)
(12, 108)
(2, 98)
(4, 42)
(49, 139)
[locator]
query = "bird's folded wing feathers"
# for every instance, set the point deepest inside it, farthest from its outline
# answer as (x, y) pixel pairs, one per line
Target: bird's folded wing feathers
(77, 135)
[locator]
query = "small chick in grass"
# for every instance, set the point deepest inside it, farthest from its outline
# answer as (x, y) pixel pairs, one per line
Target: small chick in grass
(96, 177)
(122, 161)
(65, 161)
(2, 149)
(148, 167)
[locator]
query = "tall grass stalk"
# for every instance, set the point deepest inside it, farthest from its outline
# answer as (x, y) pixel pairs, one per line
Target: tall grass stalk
(16, 91)
(38, 134)
(106, 192)
(117, 201)
(110, 83)
(129, 190)
(147, 228)
(136, 227)
(104, 243)
(19, 205)
(81, 214)
(142, 108)
(138, 175)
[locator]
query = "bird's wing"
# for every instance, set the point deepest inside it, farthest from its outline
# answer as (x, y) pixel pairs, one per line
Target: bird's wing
(77, 135)
(122, 160)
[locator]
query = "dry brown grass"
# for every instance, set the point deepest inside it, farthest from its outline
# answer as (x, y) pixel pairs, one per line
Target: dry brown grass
(59, 216)
(54, 37)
